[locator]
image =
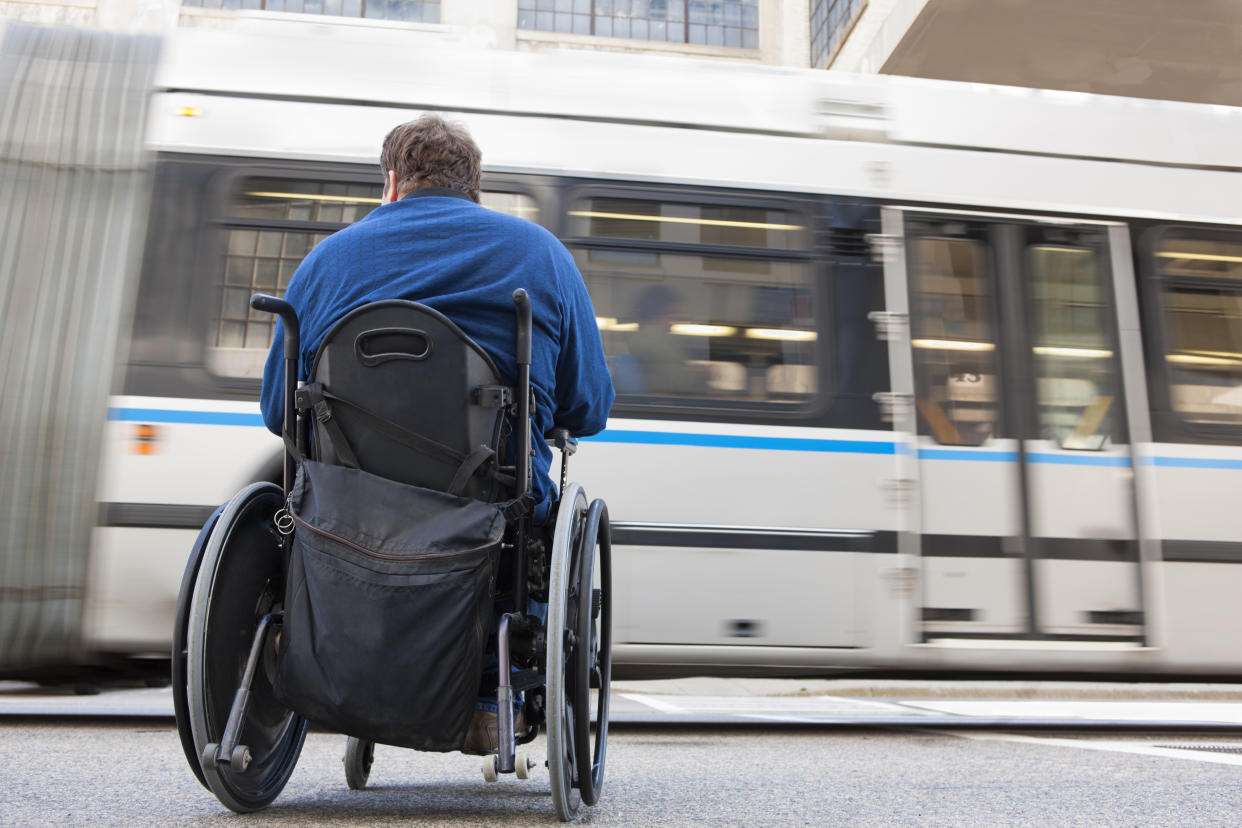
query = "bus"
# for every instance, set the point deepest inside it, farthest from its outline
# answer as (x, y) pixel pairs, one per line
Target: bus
(912, 376)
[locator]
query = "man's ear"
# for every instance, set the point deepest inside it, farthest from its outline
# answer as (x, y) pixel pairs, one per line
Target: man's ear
(390, 188)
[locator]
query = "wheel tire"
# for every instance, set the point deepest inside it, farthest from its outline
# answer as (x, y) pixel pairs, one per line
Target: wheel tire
(521, 766)
(240, 578)
(562, 761)
(359, 756)
(181, 623)
(591, 659)
(490, 773)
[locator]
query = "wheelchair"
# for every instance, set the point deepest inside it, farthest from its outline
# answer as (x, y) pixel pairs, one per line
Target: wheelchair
(332, 599)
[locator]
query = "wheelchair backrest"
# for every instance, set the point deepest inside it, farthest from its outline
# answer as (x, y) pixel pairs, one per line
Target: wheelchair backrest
(399, 390)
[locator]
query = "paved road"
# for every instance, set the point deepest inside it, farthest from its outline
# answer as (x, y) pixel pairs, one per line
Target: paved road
(123, 771)
(756, 701)
(694, 752)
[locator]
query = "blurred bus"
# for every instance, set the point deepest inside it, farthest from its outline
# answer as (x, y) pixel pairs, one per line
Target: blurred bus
(912, 375)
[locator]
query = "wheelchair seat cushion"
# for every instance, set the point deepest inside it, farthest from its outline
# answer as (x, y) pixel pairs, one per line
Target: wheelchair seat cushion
(387, 602)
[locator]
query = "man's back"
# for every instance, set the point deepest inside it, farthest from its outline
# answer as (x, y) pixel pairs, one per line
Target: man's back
(438, 247)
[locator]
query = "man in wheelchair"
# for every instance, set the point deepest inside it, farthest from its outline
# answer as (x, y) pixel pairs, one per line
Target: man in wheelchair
(431, 241)
(416, 352)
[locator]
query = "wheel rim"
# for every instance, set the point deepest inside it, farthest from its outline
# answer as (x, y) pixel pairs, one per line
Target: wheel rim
(591, 658)
(240, 579)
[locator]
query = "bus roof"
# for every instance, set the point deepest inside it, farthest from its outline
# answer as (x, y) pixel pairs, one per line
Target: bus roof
(440, 68)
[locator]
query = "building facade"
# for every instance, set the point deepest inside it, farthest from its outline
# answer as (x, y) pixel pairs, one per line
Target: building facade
(1189, 50)
(758, 31)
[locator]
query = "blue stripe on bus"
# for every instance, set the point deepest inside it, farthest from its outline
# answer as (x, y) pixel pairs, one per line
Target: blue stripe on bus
(166, 415)
(1192, 462)
(1080, 459)
(966, 454)
(670, 438)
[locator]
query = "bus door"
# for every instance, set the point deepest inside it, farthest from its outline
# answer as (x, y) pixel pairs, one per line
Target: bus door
(1023, 504)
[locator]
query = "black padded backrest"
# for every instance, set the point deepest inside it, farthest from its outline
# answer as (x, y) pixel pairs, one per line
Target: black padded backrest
(410, 365)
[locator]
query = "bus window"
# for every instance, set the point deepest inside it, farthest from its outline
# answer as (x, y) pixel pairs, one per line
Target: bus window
(698, 302)
(270, 225)
(672, 222)
(1202, 302)
(1075, 386)
(954, 340)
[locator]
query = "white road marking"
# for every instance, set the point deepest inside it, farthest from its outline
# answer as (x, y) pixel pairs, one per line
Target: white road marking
(779, 708)
(653, 702)
(1227, 712)
(1109, 746)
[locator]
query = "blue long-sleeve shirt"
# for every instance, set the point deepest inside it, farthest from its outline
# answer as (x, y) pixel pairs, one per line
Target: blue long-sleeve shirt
(439, 248)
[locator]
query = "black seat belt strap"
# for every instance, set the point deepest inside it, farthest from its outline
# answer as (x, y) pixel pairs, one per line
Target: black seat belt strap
(468, 468)
(407, 438)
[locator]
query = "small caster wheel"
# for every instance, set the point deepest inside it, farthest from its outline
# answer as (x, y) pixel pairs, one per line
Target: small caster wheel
(239, 761)
(359, 756)
(489, 768)
(522, 765)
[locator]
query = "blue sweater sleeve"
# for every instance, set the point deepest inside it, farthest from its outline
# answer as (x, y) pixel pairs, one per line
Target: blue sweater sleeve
(583, 384)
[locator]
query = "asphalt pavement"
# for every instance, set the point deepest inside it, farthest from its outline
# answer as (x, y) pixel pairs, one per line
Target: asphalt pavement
(957, 704)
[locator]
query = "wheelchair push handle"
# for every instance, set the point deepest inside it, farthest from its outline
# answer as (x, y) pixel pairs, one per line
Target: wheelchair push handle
(270, 304)
(522, 301)
(291, 426)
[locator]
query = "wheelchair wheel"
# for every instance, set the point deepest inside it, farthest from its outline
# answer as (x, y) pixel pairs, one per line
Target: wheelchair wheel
(181, 623)
(591, 660)
(579, 652)
(359, 756)
(240, 579)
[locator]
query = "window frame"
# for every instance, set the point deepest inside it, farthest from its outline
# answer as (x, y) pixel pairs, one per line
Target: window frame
(845, 26)
(803, 207)
(685, 23)
(218, 6)
(1170, 424)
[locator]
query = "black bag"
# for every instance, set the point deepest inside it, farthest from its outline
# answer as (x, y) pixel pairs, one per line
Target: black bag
(387, 607)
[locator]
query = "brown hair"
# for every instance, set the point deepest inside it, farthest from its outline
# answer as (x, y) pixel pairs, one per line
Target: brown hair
(431, 152)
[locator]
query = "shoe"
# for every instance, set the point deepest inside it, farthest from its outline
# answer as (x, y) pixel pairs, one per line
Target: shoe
(483, 735)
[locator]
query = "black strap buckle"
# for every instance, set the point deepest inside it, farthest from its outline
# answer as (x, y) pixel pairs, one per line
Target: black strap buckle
(519, 508)
(492, 396)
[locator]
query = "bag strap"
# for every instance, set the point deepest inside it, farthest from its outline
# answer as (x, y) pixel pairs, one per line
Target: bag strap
(314, 397)
(468, 468)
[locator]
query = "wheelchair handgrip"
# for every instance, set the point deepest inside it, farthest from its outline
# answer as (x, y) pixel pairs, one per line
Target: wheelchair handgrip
(270, 304)
(522, 301)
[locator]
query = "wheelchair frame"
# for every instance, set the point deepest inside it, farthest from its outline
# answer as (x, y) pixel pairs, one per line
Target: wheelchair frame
(243, 745)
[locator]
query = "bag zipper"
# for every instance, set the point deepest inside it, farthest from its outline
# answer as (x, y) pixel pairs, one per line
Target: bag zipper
(297, 519)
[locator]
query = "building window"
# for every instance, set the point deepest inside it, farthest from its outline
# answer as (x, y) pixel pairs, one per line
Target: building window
(407, 11)
(732, 23)
(831, 21)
